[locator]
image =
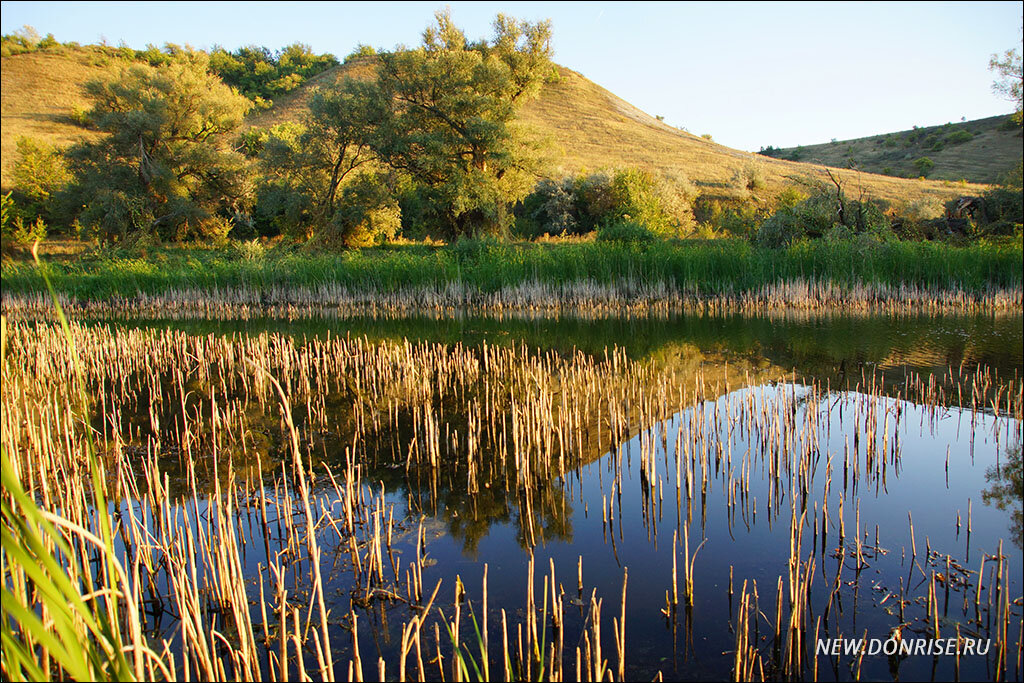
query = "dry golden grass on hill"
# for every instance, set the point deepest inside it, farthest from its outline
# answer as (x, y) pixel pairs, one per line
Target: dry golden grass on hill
(979, 151)
(588, 127)
(40, 91)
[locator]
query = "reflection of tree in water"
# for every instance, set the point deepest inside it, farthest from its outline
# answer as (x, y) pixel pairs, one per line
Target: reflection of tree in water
(540, 515)
(470, 517)
(1006, 491)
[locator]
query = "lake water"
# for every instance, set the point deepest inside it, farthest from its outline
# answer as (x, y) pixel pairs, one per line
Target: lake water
(797, 390)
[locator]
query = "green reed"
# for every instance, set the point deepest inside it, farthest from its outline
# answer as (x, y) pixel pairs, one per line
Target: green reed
(703, 267)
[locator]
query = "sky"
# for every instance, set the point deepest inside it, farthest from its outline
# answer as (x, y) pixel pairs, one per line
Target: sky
(749, 74)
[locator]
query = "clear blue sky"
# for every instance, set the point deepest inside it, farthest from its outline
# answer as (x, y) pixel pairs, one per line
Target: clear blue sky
(750, 74)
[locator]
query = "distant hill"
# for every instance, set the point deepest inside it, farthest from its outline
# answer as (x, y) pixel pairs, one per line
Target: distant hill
(979, 151)
(588, 127)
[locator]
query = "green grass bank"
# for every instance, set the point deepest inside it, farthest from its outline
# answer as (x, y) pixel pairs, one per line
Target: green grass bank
(709, 267)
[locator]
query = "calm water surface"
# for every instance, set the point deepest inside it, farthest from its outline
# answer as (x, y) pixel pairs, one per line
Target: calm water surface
(940, 463)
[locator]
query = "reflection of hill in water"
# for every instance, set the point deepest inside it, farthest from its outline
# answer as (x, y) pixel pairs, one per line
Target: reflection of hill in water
(705, 356)
(788, 339)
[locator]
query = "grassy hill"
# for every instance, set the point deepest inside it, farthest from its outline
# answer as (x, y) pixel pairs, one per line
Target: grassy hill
(979, 151)
(40, 92)
(588, 127)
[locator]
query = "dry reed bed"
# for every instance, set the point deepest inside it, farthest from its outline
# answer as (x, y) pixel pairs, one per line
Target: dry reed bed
(487, 417)
(588, 297)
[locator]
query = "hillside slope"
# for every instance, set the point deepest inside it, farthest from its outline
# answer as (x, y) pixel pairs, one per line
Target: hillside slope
(979, 151)
(40, 91)
(588, 128)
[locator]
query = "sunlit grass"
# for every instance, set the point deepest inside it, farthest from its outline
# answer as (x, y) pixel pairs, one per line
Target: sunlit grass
(704, 267)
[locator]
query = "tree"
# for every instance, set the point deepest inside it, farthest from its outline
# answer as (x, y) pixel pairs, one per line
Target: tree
(39, 174)
(1011, 74)
(165, 165)
(307, 165)
(262, 75)
(446, 118)
(924, 166)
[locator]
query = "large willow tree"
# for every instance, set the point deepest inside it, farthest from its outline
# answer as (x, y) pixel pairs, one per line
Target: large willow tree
(165, 165)
(447, 119)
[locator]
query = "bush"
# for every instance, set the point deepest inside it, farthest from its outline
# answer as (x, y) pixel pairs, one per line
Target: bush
(958, 137)
(637, 195)
(213, 229)
(577, 206)
(369, 213)
(251, 250)
(550, 209)
(823, 214)
(15, 231)
(924, 166)
(39, 174)
(625, 232)
(1003, 204)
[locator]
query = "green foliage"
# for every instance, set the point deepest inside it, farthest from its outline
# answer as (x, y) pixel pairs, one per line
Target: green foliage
(1009, 82)
(1014, 178)
(446, 113)
(25, 39)
(369, 213)
(826, 213)
(312, 160)
(1003, 211)
(165, 166)
(361, 51)
(710, 266)
(575, 206)
(252, 250)
(625, 232)
(924, 166)
(262, 75)
(958, 137)
(640, 196)
(39, 175)
(16, 230)
(550, 209)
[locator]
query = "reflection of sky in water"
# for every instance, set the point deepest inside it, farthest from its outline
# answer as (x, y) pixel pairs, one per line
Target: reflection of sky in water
(761, 552)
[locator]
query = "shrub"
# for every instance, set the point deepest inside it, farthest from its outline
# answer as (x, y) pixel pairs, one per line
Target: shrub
(80, 116)
(577, 206)
(39, 173)
(1003, 205)
(924, 166)
(213, 228)
(824, 214)
(640, 196)
(550, 209)
(251, 250)
(17, 232)
(958, 137)
(360, 51)
(625, 232)
(369, 213)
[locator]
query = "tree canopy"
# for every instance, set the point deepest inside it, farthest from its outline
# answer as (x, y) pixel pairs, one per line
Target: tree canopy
(446, 113)
(262, 75)
(1011, 76)
(165, 164)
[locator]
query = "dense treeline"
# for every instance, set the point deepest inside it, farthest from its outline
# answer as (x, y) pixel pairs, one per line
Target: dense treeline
(425, 145)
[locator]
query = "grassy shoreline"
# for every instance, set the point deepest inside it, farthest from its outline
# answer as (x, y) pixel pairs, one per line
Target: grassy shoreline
(482, 274)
